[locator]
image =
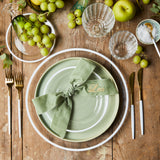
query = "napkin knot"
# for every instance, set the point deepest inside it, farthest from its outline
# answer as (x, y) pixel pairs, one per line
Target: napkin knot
(72, 90)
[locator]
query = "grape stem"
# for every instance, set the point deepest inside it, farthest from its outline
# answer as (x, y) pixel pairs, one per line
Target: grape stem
(43, 14)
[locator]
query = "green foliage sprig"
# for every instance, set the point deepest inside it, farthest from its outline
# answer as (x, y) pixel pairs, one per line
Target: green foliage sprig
(7, 62)
(156, 7)
(21, 4)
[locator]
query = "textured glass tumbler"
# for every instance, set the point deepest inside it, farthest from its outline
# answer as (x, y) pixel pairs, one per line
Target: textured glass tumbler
(123, 45)
(98, 20)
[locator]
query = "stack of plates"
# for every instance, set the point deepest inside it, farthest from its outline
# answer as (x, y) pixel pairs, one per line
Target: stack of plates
(88, 122)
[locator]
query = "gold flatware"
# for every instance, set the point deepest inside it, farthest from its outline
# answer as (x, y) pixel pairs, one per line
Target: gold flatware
(150, 29)
(140, 79)
(131, 83)
(9, 81)
(19, 86)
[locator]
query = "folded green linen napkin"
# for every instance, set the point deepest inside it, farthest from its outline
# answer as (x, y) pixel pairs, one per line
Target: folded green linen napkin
(61, 102)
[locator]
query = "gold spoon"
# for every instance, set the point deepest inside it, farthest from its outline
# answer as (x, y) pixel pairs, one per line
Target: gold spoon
(150, 29)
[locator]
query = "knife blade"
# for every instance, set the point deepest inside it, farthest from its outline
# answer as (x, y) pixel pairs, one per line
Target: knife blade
(140, 79)
(131, 83)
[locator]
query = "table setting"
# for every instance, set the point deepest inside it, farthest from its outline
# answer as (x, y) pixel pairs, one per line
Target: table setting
(80, 79)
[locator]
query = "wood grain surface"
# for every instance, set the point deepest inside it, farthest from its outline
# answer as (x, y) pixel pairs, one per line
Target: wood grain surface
(32, 147)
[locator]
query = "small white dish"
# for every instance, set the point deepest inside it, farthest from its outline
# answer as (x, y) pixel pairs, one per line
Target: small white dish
(18, 50)
(141, 33)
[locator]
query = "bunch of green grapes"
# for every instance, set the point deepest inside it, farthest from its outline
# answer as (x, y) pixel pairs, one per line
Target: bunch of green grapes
(138, 58)
(36, 32)
(51, 5)
(75, 18)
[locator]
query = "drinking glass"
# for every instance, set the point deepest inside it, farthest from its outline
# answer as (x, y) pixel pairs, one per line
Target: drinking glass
(98, 20)
(123, 45)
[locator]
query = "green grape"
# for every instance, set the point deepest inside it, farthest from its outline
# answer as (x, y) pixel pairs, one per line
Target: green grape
(37, 24)
(29, 32)
(40, 45)
(24, 37)
(33, 17)
(52, 0)
(44, 6)
(139, 49)
(46, 40)
(51, 7)
(44, 51)
(42, 18)
(44, 29)
(144, 63)
(136, 59)
(71, 16)
(78, 13)
(49, 45)
(35, 31)
(37, 38)
(79, 21)
(21, 24)
(146, 1)
(31, 42)
(109, 3)
(72, 24)
(44, 35)
(59, 4)
(27, 25)
(52, 36)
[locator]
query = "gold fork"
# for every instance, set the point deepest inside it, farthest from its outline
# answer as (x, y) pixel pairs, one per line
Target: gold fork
(19, 86)
(9, 80)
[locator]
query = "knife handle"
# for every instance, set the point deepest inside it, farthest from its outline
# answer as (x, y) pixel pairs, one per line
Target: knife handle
(132, 121)
(141, 116)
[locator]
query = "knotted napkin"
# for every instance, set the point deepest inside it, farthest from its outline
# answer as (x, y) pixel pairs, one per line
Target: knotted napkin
(61, 102)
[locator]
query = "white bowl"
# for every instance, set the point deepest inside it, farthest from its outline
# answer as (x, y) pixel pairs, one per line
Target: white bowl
(18, 50)
(140, 34)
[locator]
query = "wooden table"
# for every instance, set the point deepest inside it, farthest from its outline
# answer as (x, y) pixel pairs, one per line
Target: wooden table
(121, 147)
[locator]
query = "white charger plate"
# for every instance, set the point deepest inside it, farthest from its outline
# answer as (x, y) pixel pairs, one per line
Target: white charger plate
(78, 146)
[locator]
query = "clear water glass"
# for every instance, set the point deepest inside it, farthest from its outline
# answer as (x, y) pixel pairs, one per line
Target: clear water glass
(123, 45)
(98, 20)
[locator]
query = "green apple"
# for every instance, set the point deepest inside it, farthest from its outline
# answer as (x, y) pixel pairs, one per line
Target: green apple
(124, 10)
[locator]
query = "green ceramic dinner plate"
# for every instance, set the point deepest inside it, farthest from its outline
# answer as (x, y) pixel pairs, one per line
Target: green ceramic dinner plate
(92, 115)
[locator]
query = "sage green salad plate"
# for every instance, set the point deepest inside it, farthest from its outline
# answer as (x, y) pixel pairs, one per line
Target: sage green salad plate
(92, 115)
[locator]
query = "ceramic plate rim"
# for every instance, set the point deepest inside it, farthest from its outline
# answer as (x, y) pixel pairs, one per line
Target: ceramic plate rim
(113, 116)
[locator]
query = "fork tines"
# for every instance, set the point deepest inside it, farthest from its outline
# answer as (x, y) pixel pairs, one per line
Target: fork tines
(19, 78)
(8, 76)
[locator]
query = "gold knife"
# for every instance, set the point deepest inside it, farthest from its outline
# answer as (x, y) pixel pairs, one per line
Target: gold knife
(140, 78)
(131, 83)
